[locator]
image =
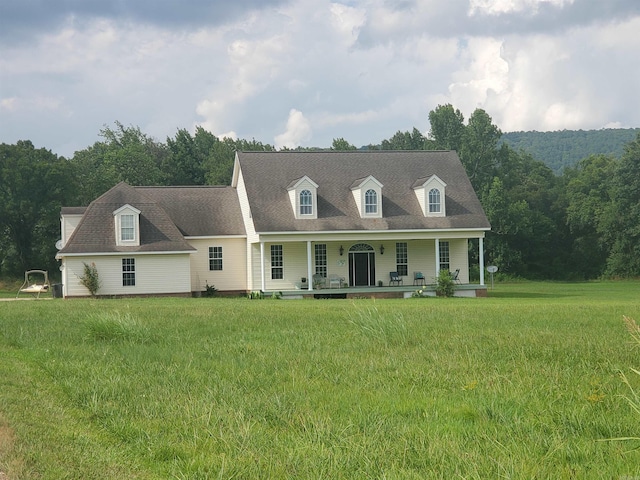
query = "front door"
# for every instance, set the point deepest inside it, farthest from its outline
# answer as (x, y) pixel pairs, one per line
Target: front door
(362, 266)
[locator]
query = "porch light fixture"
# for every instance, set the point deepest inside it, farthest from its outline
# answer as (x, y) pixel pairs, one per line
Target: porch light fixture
(341, 250)
(381, 249)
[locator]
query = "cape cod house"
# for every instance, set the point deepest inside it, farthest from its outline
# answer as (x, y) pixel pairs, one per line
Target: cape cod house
(296, 222)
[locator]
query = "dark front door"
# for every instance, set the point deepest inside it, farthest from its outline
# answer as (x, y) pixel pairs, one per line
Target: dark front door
(362, 269)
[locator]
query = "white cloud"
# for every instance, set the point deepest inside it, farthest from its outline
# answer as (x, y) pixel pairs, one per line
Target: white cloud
(358, 69)
(297, 132)
(496, 7)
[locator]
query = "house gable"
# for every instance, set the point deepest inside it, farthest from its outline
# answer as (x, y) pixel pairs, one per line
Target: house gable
(303, 195)
(431, 196)
(367, 193)
(127, 226)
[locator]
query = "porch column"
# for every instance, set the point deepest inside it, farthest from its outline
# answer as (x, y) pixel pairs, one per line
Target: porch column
(262, 266)
(437, 240)
(309, 265)
(481, 257)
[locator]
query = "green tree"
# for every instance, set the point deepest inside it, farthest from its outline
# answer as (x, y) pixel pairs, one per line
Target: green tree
(185, 163)
(620, 226)
(413, 140)
(588, 192)
(34, 184)
(479, 150)
(125, 154)
(340, 144)
(447, 127)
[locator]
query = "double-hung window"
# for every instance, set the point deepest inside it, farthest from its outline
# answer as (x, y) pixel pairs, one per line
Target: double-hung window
(215, 258)
(128, 272)
(401, 258)
(127, 228)
(277, 270)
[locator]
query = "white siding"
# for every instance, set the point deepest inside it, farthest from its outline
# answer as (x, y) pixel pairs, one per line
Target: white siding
(155, 274)
(234, 264)
(68, 224)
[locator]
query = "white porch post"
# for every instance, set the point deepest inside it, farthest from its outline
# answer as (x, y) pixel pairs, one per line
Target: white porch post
(262, 283)
(309, 265)
(437, 240)
(481, 257)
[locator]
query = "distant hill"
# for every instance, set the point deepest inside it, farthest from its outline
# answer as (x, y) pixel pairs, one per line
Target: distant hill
(566, 147)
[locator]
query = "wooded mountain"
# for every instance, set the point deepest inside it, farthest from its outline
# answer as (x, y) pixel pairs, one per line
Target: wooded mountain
(565, 148)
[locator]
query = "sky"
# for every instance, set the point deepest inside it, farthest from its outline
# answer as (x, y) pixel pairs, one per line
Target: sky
(304, 72)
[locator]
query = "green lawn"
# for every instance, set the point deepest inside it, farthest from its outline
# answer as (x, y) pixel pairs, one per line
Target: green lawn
(523, 384)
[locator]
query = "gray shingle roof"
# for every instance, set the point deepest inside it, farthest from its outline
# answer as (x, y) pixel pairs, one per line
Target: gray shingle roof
(267, 174)
(167, 215)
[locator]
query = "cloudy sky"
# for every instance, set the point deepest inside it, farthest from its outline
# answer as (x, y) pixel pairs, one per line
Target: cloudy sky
(302, 72)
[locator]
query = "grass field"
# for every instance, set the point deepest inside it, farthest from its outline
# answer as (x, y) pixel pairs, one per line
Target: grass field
(525, 384)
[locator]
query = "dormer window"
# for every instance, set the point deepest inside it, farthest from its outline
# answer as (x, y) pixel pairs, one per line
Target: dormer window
(431, 196)
(367, 192)
(434, 200)
(127, 230)
(127, 226)
(306, 202)
(303, 194)
(371, 202)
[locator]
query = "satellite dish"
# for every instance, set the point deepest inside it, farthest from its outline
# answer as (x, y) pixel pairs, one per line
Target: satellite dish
(59, 245)
(492, 269)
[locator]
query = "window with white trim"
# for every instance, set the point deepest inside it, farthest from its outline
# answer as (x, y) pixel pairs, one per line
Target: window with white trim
(371, 201)
(444, 256)
(215, 258)
(434, 200)
(402, 258)
(128, 272)
(306, 202)
(127, 228)
(321, 259)
(277, 270)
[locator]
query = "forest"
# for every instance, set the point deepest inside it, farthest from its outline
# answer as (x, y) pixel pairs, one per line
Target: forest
(578, 223)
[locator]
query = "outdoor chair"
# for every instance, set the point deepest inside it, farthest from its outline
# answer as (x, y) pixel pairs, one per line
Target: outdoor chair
(319, 281)
(395, 278)
(455, 276)
(418, 278)
(335, 281)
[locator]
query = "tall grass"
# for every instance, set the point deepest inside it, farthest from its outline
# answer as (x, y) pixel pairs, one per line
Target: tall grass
(523, 384)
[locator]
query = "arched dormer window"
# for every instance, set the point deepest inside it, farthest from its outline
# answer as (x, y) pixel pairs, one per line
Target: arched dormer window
(306, 202)
(371, 201)
(434, 200)
(431, 195)
(303, 195)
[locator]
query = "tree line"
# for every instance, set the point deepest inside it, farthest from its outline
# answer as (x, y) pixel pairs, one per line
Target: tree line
(582, 224)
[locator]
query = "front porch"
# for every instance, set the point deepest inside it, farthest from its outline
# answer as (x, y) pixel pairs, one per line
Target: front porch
(402, 291)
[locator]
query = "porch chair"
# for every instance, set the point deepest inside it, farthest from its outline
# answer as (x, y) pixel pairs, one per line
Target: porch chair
(455, 276)
(395, 278)
(319, 281)
(418, 278)
(335, 281)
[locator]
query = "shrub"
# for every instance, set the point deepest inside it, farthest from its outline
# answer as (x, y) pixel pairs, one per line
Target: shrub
(445, 286)
(90, 278)
(210, 290)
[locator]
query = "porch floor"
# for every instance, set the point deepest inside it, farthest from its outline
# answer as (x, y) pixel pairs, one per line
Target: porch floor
(401, 291)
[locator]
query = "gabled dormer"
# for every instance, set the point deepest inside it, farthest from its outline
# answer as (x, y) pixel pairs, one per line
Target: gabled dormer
(303, 195)
(127, 226)
(367, 192)
(431, 196)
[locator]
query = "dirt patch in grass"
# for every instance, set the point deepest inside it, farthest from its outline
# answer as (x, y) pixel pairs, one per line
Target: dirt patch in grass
(10, 466)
